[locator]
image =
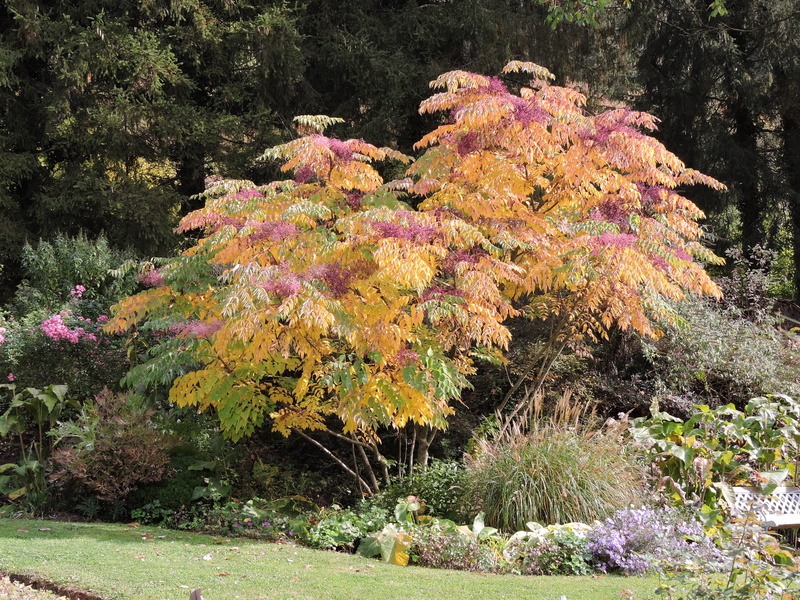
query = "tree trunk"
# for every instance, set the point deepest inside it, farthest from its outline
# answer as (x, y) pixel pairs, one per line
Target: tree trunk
(425, 436)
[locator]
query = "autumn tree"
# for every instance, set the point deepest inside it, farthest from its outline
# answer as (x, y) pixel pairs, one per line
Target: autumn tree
(336, 296)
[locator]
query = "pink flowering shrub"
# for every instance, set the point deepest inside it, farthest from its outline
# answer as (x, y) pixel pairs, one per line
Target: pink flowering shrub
(63, 348)
(55, 329)
(51, 332)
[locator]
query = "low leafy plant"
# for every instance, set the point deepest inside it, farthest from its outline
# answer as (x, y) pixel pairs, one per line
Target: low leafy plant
(341, 529)
(392, 544)
(440, 485)
(443, 548)
(478, 531)
(551, 550)
(699, 459)
(29, 417)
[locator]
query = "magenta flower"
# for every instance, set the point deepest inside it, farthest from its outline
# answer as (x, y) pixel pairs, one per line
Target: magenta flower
(195, 328)
(151, 279)
(10, 377)
(77, 292)
(2, 336)
(407, 357)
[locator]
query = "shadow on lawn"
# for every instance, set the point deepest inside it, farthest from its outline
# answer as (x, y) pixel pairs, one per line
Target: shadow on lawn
(111, 532)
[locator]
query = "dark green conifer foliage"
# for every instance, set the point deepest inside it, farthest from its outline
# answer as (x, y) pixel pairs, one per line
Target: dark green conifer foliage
(113, 112)
(726, 89)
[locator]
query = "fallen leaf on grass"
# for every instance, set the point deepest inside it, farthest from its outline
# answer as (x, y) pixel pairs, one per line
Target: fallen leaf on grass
(45, 529)
(22, 531)
(295, 579)
(222, 574)
(186, 587)
(208, 556)
(307, 566)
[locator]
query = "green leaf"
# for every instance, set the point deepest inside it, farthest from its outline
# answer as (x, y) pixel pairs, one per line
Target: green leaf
(771, 480)
(202, 465)
(682, 453)
(369, 547)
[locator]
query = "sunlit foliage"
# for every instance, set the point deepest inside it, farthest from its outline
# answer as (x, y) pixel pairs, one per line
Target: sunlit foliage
(338, 294)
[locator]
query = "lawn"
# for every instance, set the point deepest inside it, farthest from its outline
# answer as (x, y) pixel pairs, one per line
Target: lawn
(122, 562)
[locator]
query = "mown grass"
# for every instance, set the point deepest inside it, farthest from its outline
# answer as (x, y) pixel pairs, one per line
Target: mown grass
(121, 562)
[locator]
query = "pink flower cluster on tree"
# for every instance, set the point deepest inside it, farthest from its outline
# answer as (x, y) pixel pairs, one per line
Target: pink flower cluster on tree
(2, 335)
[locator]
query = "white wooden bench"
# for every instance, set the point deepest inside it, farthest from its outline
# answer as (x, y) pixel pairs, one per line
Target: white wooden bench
(780, 509)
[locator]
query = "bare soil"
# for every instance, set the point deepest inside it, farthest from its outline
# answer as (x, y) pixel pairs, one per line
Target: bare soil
(16, 587)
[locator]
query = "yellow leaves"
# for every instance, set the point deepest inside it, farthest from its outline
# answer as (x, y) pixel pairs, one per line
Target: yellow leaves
(306, 213)
(313, 315)
(317, 123)
(404, 264)
(454, 80)
(518, 66)
(133, 309)
(356, 176)
(287, 419)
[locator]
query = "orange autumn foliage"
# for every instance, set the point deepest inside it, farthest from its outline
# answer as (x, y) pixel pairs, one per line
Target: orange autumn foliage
(329, 295)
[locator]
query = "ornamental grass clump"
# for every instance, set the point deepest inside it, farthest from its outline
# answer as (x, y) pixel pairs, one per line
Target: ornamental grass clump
(550, 475)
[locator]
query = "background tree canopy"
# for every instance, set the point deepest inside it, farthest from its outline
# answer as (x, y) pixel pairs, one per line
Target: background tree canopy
(113, 114)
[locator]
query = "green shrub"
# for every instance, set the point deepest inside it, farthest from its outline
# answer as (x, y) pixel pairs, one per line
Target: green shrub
(700, 458)
(439, 486)
(52, 270)
(342, 528)
(551, 475)
(718, 355)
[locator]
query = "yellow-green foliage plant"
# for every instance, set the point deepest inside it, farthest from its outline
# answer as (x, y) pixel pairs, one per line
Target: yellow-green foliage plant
(335, 295)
